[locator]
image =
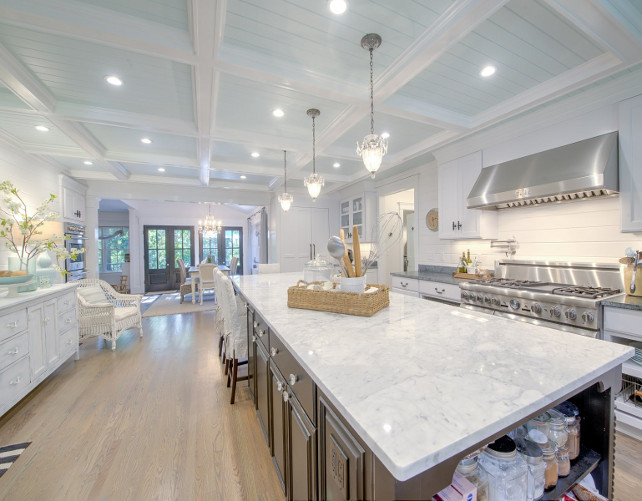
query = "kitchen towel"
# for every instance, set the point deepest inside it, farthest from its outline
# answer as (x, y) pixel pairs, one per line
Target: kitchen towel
(9, 454)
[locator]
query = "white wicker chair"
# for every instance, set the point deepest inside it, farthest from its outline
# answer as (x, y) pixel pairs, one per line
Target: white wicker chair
(108, 316)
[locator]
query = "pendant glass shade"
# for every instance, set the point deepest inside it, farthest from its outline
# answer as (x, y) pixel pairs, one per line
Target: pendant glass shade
(285, 199)
(314, 183)
(372, 151)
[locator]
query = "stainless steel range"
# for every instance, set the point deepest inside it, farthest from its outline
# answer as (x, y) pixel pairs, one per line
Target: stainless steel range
(564, 296)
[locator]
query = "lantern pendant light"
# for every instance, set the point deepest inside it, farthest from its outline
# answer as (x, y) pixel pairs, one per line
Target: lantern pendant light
(285, 199)
(374, 147)
(313, 182)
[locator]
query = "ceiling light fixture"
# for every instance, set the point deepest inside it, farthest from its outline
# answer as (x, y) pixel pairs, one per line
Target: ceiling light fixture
(255, 154)
(88, 162)
(385, 135)
(146, 140)
(42, 128)
(161, 169)
(373, 147)
(243, 177)
(313, 182)
(210, 227)
(488, 71)
(114, 80)
(336, 165)
(338, 6)
(285, 199)
(278, 113)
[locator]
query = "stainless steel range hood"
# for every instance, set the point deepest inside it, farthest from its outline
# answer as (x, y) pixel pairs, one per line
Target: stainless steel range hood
(577, 171)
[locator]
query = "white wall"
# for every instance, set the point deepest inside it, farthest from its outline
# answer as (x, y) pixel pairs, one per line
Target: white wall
(585, 231)
(35, 181)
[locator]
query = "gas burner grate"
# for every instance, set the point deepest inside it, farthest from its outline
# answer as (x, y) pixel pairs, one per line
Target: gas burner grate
(510, 283)
(588, 292)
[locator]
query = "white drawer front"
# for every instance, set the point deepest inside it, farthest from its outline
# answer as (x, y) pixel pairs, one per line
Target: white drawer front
(68, 343)
(12, 323)
(450, 292)
(624, 321)
(66, 302)
(66, 320)
(14, 380)
(405, 292)
(409, 284)
(13, 349)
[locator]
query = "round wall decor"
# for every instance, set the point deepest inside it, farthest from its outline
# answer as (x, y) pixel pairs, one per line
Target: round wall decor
(432, 219)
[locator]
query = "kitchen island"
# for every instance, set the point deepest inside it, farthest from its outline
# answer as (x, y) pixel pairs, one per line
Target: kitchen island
(418, 385)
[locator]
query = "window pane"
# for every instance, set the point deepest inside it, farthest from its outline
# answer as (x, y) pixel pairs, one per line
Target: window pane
(161, 239)
(153, 256)
(152, 239)
(235, 238)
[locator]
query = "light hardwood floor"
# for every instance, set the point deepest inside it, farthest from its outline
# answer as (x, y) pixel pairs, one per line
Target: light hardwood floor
(152, 420)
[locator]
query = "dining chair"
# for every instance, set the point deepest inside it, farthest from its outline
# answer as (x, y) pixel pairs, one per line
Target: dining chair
(236, 349)
(206, 278)
(269, 268)
(233, 264)
(186, 281)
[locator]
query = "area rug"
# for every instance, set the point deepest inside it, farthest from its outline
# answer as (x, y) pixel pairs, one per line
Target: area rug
(9, 454)
(170, 304)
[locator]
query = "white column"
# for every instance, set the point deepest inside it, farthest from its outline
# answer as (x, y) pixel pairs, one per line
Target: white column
(136, 254)
(91, 232)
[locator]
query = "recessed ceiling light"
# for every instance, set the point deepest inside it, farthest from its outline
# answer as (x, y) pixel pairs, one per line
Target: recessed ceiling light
(146, 140)
(338, 6)
(243, 177)
(488, 71)
(336, 165)
(161, 169)
(255, 154)
(88, 162)
(385, 135)
(278, 113)
(42, 128)
(114, 80)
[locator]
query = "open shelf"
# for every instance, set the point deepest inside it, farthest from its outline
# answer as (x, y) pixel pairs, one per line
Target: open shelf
(581, 466)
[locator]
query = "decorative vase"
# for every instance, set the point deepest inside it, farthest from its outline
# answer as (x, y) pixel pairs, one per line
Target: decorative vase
(45, 274)
(16, 264)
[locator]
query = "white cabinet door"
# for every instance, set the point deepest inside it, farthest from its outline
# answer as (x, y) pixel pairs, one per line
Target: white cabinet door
(469, 169)
(447, 185)
(50, 332)
(37, 350)
(630, 162)
(73, 204)
(361, 211)
(303, 230)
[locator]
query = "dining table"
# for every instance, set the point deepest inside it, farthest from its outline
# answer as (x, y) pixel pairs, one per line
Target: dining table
(194, 272)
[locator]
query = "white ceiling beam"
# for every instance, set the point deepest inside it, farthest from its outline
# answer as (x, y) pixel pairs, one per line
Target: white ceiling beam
(425, 113)
(74, 19)
(159, 159)
(597, 21)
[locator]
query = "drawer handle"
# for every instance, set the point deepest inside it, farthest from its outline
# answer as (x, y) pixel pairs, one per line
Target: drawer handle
(68, 320)
(274, 351)
(12, 325)
(279, 387)
(440, 291)
(293, 379)
(404, 285)
(15, 381)
(256, 324)
(67, 302)
(253, 338)
(261, 333)
(14, 351)
(286, 396)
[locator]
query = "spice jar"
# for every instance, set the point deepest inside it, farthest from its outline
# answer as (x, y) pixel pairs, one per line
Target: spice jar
(507, 470)
(558, 432)
(551, 472)
(538, 428)
(470, 468)
(572, 415)
(532, 453)
(563, 461)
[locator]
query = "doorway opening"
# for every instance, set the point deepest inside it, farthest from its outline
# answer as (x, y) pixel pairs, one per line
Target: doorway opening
(402, 256)
(163, 246)
(222, 246)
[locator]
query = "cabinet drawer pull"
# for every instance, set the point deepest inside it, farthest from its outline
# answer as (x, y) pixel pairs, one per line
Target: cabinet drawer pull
(279, 387)
(440, 291)
(404, 285)
(14, 351)
(253, 338)
(12, 325)
(293, 379)
(68, 320)
(286, 396)
(15, 381)
(261, 333)
(274, 351)
(256, 324)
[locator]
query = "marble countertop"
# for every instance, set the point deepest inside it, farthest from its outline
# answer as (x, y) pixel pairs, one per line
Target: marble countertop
(435, 276)
(624, 301)
(422, 381)
(21, 298)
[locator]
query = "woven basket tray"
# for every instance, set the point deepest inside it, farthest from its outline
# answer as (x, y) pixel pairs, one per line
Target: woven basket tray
(350, 303)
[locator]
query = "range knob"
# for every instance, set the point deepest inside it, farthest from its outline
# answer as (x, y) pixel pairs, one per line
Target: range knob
(464, 296)
(556, 312)
(495, 301)
(487, 299)
(571, 314)
(479, 298)
(515, 304)
(588, 317)
(536, 308)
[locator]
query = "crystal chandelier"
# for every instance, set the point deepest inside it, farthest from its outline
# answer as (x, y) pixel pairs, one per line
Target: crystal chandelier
(313, 182)
(285, 199)
(210, 227)
(373, 147)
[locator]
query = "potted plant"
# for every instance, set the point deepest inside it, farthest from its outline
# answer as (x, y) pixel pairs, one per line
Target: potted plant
(23, 232)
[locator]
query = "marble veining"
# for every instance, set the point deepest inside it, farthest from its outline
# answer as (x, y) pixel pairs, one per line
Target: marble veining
(624, 301)
(7, 303)
(421, 381)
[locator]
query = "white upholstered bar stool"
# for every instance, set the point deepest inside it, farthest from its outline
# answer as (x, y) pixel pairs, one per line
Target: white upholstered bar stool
(235, 318)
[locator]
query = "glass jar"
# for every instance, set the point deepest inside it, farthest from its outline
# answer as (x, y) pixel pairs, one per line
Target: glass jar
(563, 461)
(470, 468)
(507, 471)
(573, 426)
(532, 453)
(317, 270)
(558, 432)
(538, 428)
(551, 472)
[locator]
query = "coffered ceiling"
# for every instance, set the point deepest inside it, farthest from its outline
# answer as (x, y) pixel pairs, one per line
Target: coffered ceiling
(202, 77)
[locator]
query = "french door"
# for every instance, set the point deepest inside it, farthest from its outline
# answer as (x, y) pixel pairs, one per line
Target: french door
(223, 246)
(163, 246)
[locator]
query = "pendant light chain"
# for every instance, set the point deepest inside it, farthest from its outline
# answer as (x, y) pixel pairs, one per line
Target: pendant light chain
(371, 95)
(314, 154)
(285, 173)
